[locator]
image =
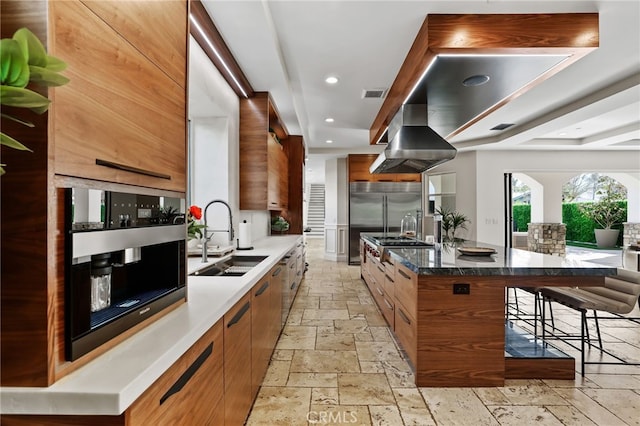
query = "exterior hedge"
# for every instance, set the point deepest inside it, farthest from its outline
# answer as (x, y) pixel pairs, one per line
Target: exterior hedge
(579, 227)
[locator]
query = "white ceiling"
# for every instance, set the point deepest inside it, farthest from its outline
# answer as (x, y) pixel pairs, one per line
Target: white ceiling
(288, 47)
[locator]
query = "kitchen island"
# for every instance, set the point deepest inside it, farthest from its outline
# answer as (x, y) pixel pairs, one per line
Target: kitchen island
(447, 308)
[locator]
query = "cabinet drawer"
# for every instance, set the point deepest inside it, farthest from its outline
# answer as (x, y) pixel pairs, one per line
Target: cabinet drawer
(190, 392)
(406, 331)
(390, 284)
(387, 307)
(406, 288)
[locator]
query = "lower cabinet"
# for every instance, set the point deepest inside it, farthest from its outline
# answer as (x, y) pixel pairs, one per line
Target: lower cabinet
(237, 362)
(261, 345)
(190, 392)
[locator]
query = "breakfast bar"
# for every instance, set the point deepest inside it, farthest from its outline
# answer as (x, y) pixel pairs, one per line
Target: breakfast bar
(446, 305)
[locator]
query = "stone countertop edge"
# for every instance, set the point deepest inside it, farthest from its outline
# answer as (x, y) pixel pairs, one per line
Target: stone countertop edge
(514, 262)
(109, 384)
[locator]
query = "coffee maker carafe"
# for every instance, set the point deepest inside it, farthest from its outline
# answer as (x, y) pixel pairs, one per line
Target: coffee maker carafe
(100, 281)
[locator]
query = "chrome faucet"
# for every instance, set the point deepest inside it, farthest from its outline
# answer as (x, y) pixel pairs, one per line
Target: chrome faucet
(206, 239)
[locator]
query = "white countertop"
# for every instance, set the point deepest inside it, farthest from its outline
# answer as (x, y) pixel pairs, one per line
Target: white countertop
(109, 384)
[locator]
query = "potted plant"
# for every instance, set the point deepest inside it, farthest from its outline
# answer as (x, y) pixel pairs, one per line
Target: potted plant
(24, 61)
(605, 213)
(279, 224)
(451, 221)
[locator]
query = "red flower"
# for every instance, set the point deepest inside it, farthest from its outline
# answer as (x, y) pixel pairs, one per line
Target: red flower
(196, 212)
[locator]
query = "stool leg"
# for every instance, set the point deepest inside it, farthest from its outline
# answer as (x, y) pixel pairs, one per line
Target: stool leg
(535, 315)
(595, 317)
(582, 329)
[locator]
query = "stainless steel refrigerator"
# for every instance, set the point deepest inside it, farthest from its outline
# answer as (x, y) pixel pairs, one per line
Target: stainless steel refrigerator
(378, 208)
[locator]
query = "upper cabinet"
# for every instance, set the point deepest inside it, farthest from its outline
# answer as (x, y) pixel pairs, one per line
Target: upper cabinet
(122, 117)
(263, 159)
(359, 171)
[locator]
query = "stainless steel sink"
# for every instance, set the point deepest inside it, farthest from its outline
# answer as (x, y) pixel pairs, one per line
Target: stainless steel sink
(233, 266)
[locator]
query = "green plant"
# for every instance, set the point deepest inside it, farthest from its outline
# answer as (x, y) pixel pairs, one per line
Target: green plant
(451, 221)
(24, 60)
(607, 211)
(279, 224)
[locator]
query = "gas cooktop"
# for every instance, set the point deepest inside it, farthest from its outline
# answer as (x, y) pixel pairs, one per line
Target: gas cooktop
(397, 241)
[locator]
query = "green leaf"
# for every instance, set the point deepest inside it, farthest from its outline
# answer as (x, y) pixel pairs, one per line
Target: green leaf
(23, 98)
(14, 66)
(46, 77)
(2, 169)
(55, 64)
(18, 120)
(12, 143)
(32, 48)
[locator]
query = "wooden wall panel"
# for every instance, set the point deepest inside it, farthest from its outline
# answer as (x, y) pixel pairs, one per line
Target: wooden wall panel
(118, 107)
(463, 332)
(25, 295)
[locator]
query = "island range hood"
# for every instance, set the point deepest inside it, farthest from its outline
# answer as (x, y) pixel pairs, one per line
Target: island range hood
(413, 146)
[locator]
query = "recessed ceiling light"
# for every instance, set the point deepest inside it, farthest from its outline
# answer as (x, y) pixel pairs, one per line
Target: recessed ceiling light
(331, 79)
(329, 141)
(563, 133)
(476, 80)
(329, 120)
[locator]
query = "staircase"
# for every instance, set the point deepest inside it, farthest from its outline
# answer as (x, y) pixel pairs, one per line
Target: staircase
(315, 215)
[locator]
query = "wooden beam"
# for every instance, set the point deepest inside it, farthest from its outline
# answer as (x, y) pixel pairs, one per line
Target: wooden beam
(206, 34)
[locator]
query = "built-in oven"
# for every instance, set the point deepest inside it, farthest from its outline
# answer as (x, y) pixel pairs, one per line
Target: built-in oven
(125, 261)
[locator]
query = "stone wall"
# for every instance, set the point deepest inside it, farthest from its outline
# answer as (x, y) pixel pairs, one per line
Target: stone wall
(630, 233)
(547, 238)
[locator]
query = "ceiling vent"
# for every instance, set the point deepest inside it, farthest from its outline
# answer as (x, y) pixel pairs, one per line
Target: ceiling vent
(374, 93)
(502, 126)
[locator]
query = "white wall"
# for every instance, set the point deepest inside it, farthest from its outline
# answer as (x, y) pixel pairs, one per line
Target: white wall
(214, 111)
(336, 209)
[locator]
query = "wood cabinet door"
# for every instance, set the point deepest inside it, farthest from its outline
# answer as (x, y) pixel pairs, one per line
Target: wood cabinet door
(190, 392)
(406, 289)
(277, 275)
(122, 117)
(359, 167)
(260, 331)
(237, 362)
(274, 181)
(406, 330)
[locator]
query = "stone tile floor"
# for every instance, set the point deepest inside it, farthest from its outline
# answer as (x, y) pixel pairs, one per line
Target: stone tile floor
(337, 363)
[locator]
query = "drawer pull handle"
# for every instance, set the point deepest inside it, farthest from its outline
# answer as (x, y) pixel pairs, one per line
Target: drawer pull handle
(403, 274)
(276, 272)
(380, 269)
(131, 169)
(293, 284)
(404, 317)
(239, 314)
(262, 289)
(388, 304)
(188, 374)
(389, 278)
(379, 291)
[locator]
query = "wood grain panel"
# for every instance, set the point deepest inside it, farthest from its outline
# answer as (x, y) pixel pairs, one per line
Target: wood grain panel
(460, 338)
(210, 33)
(540, 368)
(253, 152)
(237, 362)
(574, 34)
(406, 331)
(164, 42)
(358, 166)
(25, 298)
(406, 288)
(118, 106)
(260, 332)
(295, 153)
(195, 401)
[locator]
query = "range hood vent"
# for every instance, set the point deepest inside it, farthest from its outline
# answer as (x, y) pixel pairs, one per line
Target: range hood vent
(413, 146)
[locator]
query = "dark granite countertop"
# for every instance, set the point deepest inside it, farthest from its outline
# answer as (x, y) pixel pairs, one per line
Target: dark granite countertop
(448, 260)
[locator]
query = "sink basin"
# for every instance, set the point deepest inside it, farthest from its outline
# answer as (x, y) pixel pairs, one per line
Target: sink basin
(234, 266)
